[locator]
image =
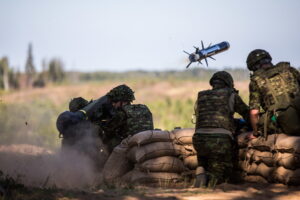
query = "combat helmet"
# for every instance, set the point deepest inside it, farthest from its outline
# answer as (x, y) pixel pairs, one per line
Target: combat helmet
(257, 57)
(77, 104)
(121, 93)
(222, 77)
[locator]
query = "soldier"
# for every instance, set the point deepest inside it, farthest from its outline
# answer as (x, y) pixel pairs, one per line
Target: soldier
(129, 119)
(215, 127)
(274, 88)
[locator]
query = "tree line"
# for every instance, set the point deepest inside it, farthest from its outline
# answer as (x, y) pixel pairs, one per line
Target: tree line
(53, 72)
(10, 78)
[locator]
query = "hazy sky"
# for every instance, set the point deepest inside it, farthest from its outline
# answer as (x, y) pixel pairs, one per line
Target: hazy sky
(119, 35)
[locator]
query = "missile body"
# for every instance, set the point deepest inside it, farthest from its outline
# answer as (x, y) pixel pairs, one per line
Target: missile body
(208, 52)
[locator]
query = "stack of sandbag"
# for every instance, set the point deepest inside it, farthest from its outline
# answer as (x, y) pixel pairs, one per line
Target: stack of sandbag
(184, 138)
(288, 160)
(275, 159)
(156, 158)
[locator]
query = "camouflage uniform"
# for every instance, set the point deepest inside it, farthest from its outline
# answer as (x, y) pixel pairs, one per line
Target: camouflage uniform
(128, 120)
(215, 126)
(272, 88)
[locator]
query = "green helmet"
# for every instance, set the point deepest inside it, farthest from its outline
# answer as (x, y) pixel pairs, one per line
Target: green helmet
(257, 56)
(221, 77)
(121, 93)
(77, 104)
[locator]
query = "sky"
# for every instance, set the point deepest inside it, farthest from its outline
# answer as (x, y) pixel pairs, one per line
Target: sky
(122, 35)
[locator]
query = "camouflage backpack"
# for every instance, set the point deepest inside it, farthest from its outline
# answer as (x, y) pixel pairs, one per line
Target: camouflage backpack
(139, 118)
(215, 109)
(280, 88)
(278, 85)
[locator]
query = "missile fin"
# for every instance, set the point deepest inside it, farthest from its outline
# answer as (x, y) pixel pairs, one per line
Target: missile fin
(189, 64)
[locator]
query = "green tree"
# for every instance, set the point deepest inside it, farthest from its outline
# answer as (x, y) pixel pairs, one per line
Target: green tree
(4, 73)
(56, 70)
(29, 67)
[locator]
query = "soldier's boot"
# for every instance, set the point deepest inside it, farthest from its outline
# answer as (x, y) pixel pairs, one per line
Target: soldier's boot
(212, 182)
(201, 178)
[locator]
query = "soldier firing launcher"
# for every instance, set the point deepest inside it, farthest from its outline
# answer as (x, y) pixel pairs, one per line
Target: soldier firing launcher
(206, 52)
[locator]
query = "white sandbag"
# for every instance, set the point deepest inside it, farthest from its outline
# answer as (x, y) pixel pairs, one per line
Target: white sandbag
(183, 136)
(150, 136)
(162, 164)
(139, 154)
(288, 160)
(256, 156)
(137, 177)
(191, 162)
(286, 176)
(117, 164)
(255, 179)
(289, 144)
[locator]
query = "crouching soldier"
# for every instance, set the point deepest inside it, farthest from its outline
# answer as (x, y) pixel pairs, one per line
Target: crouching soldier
(128, 119)
(213, 138)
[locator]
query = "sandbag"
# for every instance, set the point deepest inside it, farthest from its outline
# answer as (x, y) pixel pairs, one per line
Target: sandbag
(242, 140)
(268, 144)
(288, 160)
(157, 149)
(256, 156)
(137, 177)
(255, 179)
(260, 169)
(243, 165)
(162, 164)
(286, 176)
(191, 162)
(183, 136)
(117, 164)
(150, 136)
(188, 150)
(288, 144)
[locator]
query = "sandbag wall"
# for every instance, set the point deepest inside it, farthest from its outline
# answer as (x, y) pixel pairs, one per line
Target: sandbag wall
(151, 157)
(275, 159)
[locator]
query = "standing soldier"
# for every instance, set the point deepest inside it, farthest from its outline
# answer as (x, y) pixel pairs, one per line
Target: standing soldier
(213, 137)
(274, 88)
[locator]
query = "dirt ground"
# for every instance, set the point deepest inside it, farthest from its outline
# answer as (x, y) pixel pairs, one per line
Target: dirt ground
(31, 154)
(245, 191)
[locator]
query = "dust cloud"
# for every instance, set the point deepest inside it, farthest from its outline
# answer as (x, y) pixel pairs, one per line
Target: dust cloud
(76, 167)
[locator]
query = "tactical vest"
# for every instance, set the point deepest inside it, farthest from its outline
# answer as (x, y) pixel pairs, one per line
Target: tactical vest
(215, 109)
(277, 85)
(139, 118)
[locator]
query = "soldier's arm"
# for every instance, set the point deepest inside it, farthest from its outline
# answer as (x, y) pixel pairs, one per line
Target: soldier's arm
(254, 105)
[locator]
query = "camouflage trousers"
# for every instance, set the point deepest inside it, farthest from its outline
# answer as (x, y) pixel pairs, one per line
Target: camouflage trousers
(215, 154)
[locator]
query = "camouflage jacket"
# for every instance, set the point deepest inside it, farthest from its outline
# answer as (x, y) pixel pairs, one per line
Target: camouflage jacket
(129, 120)
(215, 108)
(274, 87)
